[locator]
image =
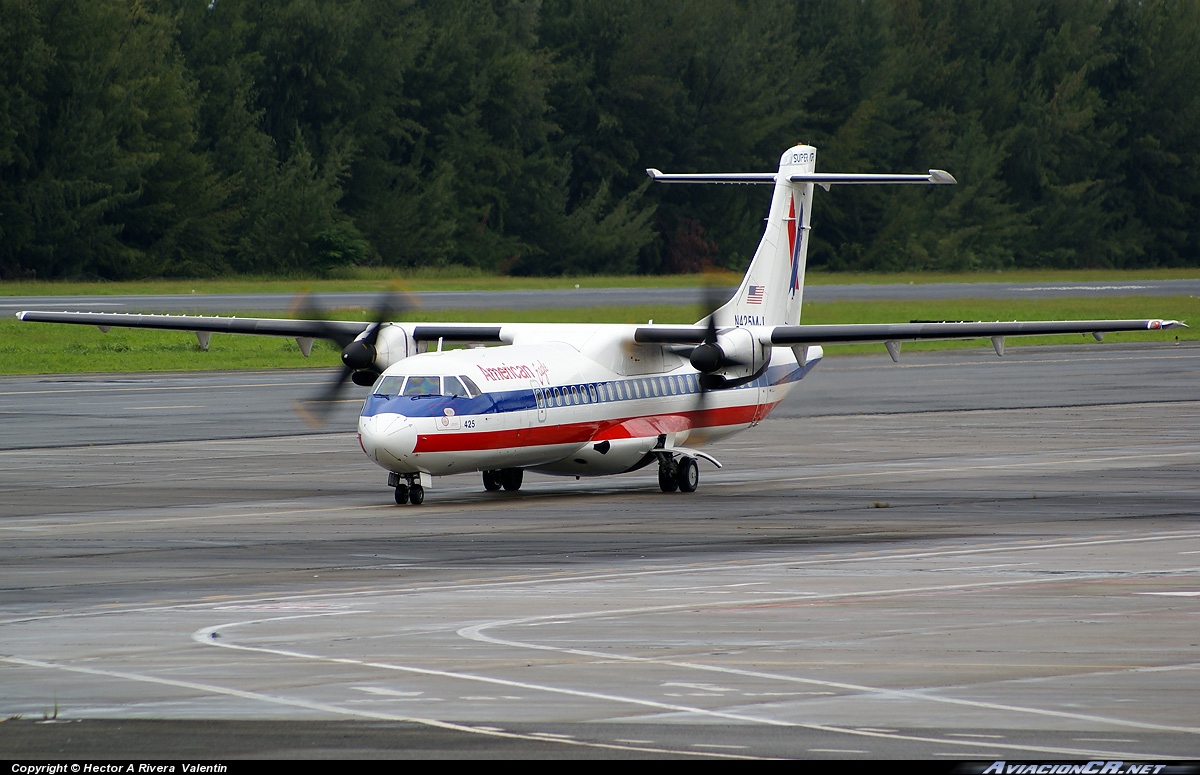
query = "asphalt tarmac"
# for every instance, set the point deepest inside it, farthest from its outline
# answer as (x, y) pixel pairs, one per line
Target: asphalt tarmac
(958, 557)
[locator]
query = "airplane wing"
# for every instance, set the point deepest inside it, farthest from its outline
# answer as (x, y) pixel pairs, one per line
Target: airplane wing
(910, 332)
(891, 334)
(342, 332)
(348, 334)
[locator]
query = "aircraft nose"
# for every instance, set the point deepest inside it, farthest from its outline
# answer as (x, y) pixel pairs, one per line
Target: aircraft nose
(388, 439)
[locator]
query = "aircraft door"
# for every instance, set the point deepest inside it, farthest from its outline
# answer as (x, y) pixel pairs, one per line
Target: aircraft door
(541, 399)
(764, 394)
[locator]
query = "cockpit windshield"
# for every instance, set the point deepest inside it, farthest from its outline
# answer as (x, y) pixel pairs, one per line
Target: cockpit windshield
(425, 385)
(388, 386)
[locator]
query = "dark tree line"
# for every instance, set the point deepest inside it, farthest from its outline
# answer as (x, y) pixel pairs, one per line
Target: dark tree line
(194, 137)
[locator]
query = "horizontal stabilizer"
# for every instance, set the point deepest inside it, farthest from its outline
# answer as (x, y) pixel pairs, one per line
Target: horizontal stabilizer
(826, 179)
(717, 177)
(823, 179)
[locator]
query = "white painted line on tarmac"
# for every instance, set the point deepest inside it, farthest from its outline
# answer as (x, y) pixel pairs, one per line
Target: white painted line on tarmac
(328, 708)
(207, 637)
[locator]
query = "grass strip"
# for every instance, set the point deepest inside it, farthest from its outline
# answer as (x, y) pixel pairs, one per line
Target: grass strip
(367, 280)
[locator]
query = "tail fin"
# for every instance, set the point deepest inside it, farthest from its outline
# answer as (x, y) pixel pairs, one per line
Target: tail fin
(773, 289)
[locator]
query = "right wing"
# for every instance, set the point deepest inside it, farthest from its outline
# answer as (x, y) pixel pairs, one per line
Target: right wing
(341, 331)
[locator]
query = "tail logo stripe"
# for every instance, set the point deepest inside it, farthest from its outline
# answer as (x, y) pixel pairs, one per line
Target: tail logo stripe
(795, 240)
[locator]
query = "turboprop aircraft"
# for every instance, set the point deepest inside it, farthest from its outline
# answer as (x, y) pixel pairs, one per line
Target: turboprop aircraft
(592, 400)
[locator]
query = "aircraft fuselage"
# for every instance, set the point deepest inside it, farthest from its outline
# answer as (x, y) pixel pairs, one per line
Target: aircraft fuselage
(550, 408)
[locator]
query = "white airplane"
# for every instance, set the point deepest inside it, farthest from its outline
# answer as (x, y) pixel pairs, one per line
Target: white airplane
(592, 400)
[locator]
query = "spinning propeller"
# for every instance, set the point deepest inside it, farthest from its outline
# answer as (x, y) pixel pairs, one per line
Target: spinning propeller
(358, 354)
(708, 357)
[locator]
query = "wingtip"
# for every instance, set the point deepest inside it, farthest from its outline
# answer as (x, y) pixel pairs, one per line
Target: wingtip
(941, 178)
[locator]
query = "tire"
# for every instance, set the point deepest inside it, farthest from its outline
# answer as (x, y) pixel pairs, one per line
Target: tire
(510, 478)
(688, 476)
(491, 481)
(416, 495)
(667, 479)
(401, 494)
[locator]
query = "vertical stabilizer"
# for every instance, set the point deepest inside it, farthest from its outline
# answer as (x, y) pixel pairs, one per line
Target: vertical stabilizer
(773, 288)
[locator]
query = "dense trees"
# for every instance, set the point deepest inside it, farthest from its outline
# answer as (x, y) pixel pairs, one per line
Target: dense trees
(193, 137)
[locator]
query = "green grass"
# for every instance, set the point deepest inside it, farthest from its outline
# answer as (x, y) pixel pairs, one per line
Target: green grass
(370, 284)
(42, 348)
(462, 279)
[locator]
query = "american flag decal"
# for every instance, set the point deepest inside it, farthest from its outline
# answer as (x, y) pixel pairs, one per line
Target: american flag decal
(755, 296)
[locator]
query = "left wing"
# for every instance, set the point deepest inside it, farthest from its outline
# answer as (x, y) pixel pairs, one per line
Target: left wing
(891, 334)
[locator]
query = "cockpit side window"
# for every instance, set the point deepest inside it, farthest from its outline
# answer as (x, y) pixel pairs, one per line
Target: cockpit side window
(452, 387)
(471, 386)
(423, 386)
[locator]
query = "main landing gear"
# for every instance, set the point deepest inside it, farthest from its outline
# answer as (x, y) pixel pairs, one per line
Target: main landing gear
(678, 470)
(508, 478)
(408, 488)
(682, 474)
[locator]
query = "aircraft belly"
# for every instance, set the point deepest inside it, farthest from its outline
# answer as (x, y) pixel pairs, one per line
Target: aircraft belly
(601, 458)
(481, 460)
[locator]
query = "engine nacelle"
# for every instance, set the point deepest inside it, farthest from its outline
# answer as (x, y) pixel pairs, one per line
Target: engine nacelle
(735, 358)
(392, 344)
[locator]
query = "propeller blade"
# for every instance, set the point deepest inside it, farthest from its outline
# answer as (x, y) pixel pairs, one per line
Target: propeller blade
(357, 356)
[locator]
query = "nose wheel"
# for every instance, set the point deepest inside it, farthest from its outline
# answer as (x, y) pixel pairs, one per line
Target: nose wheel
(408, 489)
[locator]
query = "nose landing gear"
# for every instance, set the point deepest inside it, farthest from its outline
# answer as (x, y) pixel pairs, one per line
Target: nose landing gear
(409, 488)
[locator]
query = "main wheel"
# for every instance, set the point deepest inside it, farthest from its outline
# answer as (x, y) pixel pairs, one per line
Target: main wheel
(668, 478)
(416, 495)
(401, 494)
(491, 481)
(688, 475)
(511, 478)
